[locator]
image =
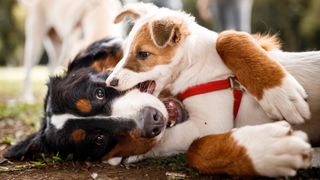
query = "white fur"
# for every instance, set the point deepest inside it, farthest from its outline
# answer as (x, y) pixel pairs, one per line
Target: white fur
(95, 18)
(58, 121)
(196, 61)
(272, 150)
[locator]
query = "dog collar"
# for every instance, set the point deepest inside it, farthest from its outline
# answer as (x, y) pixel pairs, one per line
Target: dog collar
(231, 83)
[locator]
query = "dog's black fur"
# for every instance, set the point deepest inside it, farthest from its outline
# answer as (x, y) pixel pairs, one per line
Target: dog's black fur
(82, 92)
(80, 82)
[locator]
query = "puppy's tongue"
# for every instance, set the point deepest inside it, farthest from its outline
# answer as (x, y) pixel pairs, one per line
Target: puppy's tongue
(176, 112)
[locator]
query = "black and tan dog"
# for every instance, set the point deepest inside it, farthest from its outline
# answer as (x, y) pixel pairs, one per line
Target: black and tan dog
(85, 118)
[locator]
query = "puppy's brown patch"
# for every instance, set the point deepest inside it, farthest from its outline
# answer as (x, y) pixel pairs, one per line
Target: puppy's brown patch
(267, 42)
(84, 105)
(78, 135)
(143, 42)
(219, 154)
(252, 65)
(131, 144)
(160, 38)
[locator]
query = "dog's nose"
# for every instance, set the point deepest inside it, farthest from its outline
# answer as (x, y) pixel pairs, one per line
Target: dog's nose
(153, 122)
(114, 82)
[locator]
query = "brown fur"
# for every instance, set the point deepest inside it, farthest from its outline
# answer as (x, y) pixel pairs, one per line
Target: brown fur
(267, 42)
(78, 135)
(143, 42)
(84, 105)
(127, 12)
(108, 63)
(131, 144)
(254, 68)
(219, 154)
(163, 32)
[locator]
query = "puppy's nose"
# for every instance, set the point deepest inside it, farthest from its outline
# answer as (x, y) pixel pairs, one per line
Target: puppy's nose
(114, 82)
(153, 122)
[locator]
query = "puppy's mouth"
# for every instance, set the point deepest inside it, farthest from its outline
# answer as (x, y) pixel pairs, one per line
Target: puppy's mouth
(176, 112)
(147, 86)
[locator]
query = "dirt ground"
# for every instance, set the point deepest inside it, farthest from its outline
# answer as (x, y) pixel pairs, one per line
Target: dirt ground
(164, 168)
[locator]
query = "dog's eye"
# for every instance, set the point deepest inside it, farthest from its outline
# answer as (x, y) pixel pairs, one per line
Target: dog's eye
(99, 140)
(100, 93)
(143, 55)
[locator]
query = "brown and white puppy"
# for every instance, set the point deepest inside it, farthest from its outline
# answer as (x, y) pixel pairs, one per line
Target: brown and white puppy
(63, 28)
(168, 47)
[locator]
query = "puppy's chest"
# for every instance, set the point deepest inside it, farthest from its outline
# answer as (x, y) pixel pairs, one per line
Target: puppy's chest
(213, 112)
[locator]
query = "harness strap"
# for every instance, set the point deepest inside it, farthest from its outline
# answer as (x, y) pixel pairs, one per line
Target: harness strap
(216, 86)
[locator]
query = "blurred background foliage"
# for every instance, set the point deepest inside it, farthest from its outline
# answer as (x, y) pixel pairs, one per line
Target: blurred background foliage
(295, 21)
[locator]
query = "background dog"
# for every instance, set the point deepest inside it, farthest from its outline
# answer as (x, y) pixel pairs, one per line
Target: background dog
(63, 28)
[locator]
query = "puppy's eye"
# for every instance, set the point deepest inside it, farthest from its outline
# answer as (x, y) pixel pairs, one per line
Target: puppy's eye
(100, 94)
(143, 55)
(99, 140)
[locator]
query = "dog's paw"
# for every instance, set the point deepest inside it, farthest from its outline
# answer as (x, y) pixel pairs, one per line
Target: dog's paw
(274, 148)
(287, 101)
(115, 161)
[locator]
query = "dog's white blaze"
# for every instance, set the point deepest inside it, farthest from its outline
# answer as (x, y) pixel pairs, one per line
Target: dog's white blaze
(129, 105)
(60, 119)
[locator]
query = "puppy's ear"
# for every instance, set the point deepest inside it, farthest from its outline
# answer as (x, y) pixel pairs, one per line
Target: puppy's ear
(135, 11)
(29, 147)
(166, 32)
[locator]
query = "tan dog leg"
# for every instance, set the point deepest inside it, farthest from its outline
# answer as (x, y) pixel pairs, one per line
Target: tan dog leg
(279, 94)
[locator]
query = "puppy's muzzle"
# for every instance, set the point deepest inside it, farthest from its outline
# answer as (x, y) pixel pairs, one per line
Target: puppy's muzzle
(153, 122)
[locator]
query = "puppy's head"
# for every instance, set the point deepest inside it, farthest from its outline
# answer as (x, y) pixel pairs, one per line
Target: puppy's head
(153, 50)
(85, 118)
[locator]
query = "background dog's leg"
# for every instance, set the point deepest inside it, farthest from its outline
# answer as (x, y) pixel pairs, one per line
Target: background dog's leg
(35, 33)
(52, 44)
(269, 150)
(279, 93)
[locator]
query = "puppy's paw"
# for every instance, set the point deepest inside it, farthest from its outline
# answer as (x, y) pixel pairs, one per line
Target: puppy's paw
(274, 148)
(287, 101)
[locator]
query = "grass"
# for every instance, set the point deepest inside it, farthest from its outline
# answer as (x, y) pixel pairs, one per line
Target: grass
(11, 80)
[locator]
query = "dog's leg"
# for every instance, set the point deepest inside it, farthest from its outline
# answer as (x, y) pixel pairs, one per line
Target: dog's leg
(278, 92)
(35, 33)
(52, 44)
(174, 141)
(268, 150)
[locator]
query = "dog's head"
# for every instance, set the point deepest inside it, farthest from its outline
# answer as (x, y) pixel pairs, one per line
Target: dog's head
(153, 50)
(85, 118)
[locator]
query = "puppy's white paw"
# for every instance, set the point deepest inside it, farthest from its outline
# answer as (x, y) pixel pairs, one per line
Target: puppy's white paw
(287, 101)
(274, 148)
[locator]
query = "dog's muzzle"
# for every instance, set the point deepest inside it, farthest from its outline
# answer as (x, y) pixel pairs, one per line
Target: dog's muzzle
(153, 122)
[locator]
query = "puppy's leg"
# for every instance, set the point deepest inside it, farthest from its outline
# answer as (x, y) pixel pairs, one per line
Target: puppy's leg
(278, 93)
(35, 33)
(268, 150)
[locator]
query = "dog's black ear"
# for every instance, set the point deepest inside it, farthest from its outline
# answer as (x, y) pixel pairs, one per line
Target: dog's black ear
(29, 147)
(168, 31)
(134, 11)
(96, 51)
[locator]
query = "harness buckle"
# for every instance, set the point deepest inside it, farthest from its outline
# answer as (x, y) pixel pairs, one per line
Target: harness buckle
(235, 84)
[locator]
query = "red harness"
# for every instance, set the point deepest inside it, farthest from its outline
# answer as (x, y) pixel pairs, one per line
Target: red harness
(215, 86)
